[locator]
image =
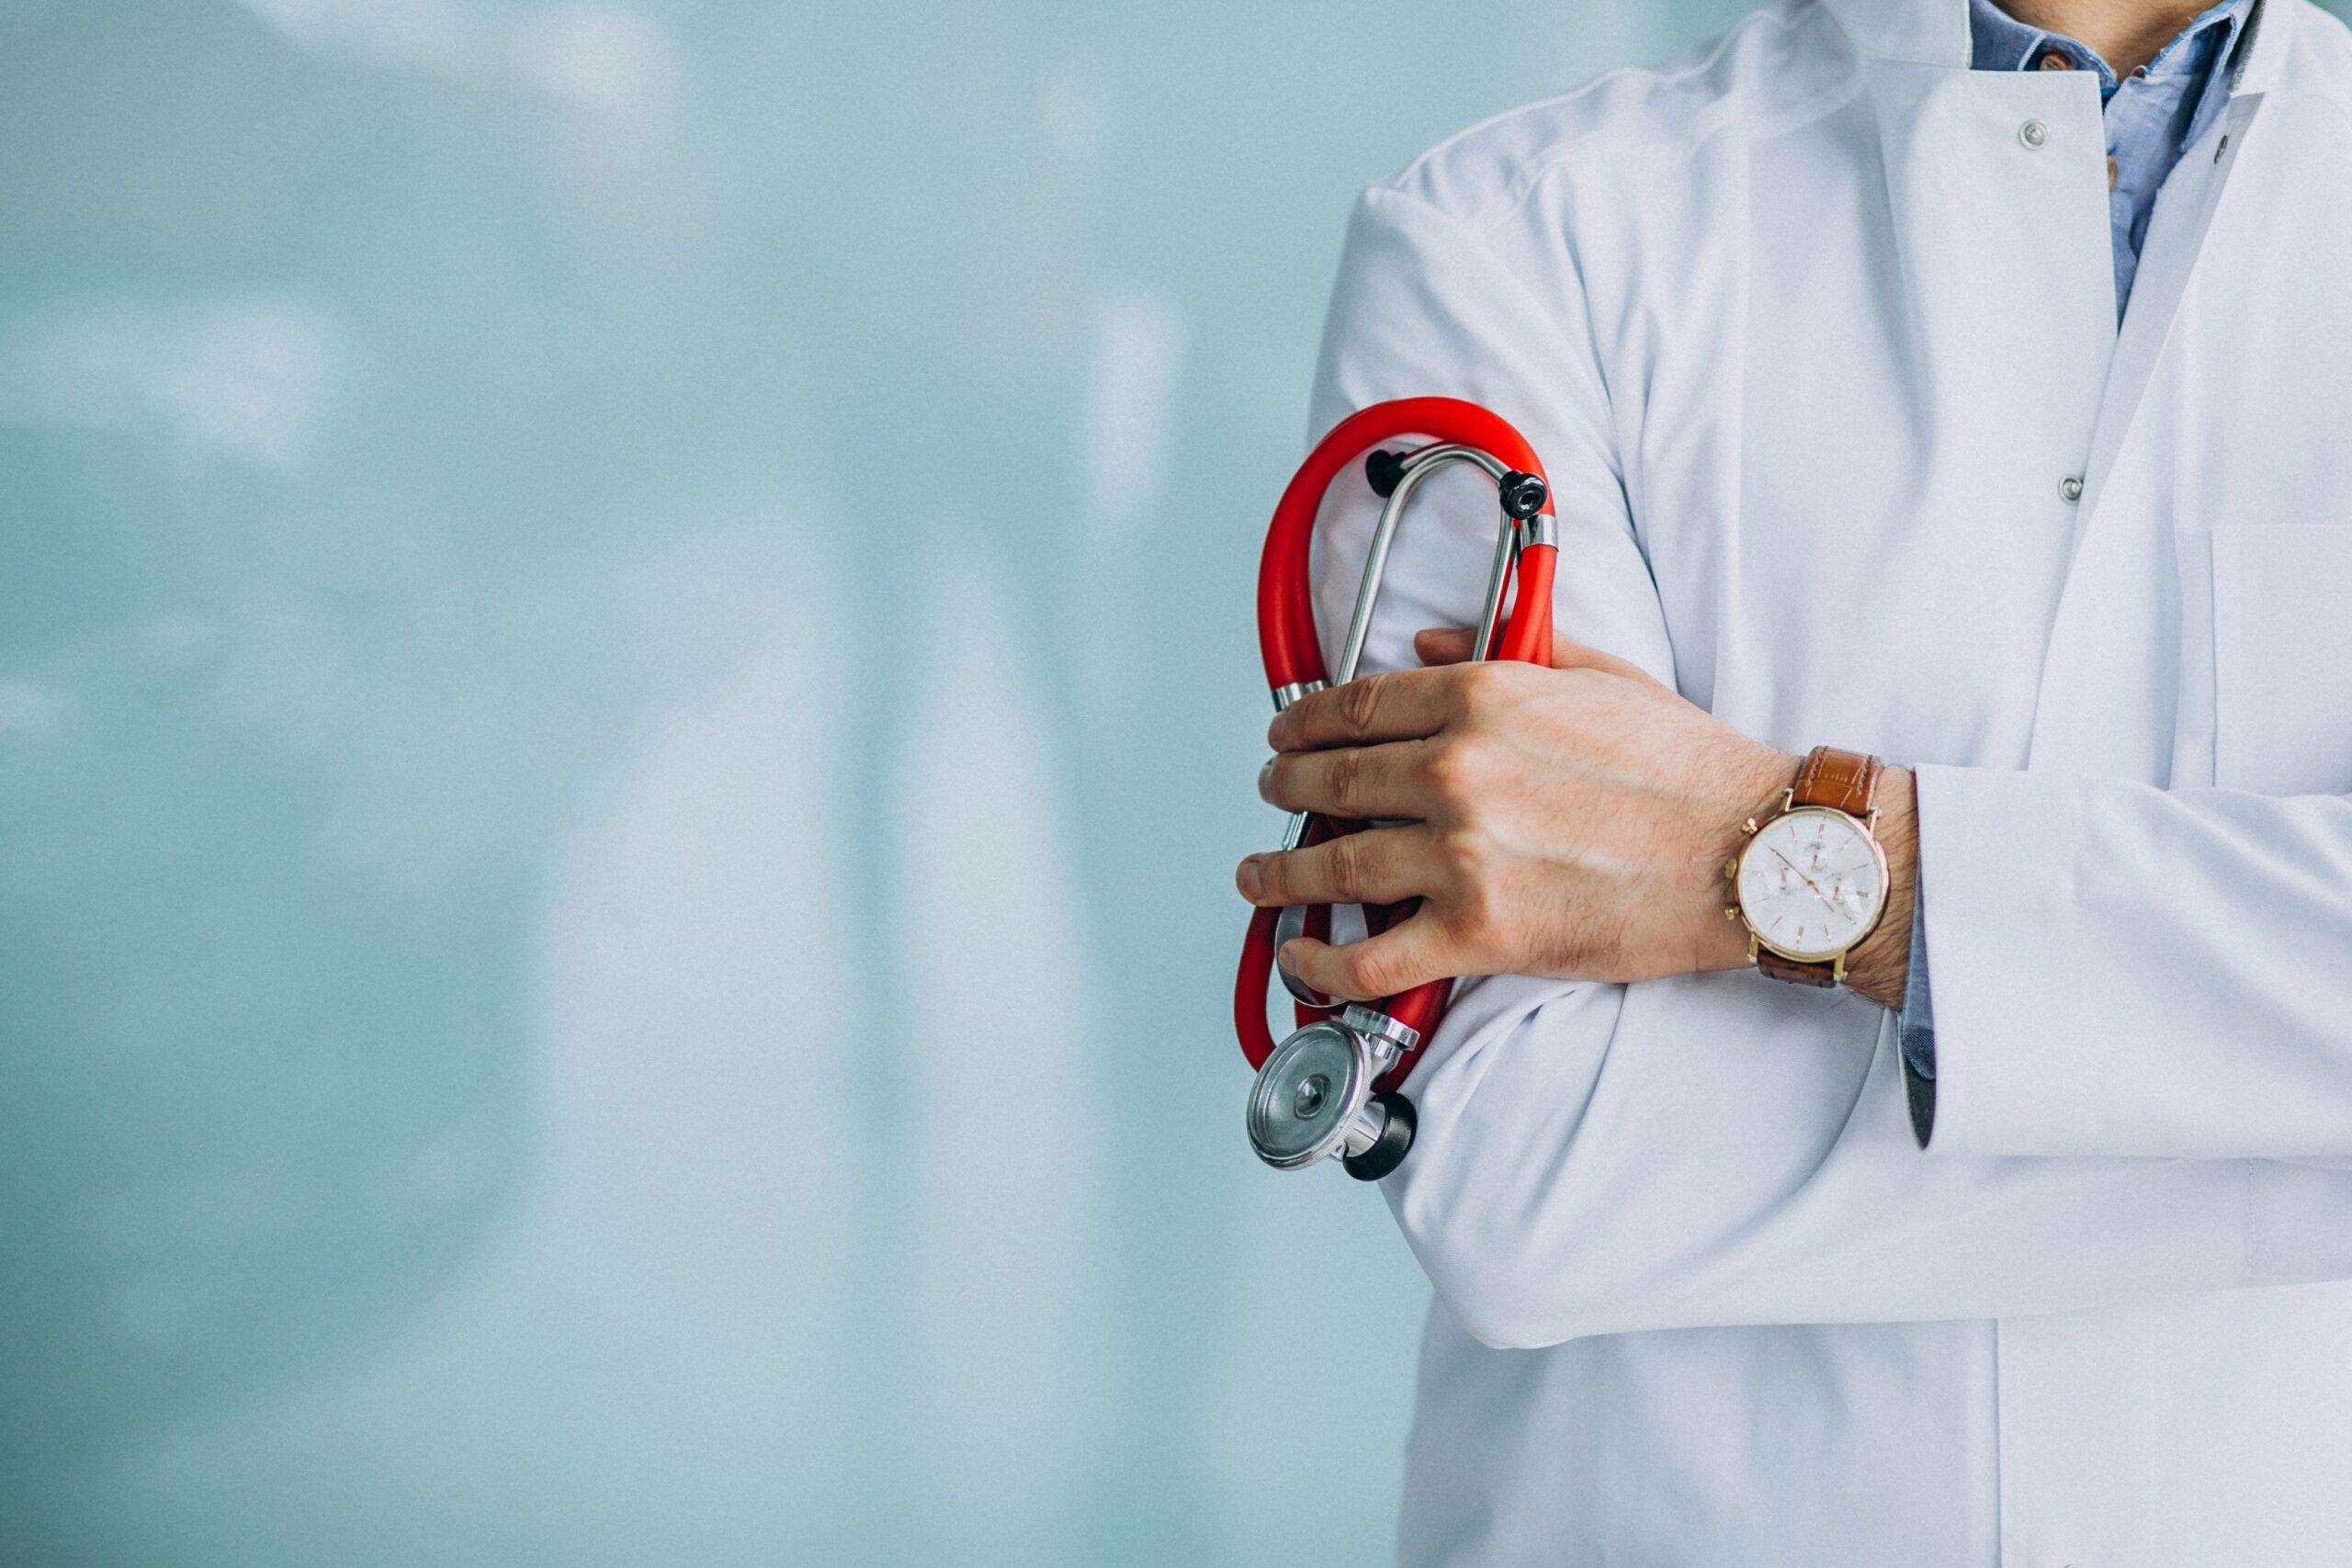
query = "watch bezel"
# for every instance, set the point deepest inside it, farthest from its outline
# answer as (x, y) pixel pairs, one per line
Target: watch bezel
(1755, 842)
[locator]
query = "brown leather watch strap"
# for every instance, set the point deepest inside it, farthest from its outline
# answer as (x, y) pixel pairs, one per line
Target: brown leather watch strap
(1796, 972)
(1842, 781)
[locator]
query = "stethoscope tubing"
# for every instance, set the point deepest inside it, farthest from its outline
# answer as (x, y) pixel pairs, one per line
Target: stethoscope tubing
(1287, 640)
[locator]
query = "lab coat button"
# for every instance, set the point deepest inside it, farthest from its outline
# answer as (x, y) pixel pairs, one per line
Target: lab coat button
(2033, 133)
(2070, 490)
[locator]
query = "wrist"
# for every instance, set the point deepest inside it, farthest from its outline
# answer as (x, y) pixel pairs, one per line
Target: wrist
(1877, 965)
(1880, 964)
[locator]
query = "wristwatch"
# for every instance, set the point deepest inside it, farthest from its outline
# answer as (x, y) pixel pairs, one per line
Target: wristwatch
(1810, 884)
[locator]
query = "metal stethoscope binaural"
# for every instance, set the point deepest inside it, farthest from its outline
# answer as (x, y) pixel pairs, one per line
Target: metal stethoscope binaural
(1330, 1088)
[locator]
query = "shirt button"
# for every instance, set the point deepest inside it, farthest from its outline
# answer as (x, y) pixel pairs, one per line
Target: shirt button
(2033, 133)
(2054, 61)
(2114, 171)
(2070, 490)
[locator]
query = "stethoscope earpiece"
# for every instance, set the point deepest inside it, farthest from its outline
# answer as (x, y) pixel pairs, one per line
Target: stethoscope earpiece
(1522, 495)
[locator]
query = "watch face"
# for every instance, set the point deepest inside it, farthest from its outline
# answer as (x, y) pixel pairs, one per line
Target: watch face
(1811, 883)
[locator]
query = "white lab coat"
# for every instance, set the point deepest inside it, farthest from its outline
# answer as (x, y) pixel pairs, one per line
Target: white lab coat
(1808, 336)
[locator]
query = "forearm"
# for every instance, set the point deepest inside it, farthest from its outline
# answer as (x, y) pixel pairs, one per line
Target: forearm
(2123, 970)
(1716, 1150)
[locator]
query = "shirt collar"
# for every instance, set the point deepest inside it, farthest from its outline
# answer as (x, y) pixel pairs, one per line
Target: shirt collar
(1935, 33)
(1999, 42)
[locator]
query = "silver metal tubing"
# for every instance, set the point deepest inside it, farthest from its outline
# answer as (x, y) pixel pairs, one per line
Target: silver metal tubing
(1541, 529)
(1492, 611)
(1417, 467)
(1285, 695)
(1455, 452)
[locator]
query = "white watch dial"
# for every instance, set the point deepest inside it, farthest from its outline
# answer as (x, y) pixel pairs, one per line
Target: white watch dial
(1811, 883)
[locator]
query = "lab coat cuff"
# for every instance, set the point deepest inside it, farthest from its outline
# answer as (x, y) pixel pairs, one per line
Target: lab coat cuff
(2016, 1071)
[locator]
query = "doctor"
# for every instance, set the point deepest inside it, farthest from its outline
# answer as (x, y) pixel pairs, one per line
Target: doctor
(1973, 390)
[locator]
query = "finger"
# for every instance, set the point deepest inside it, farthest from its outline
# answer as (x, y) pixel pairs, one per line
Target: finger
(1451, 644)
(1384, 866)
(1359, 782)
(1569, 654)
(1402, 705)
(1444, 645)
(1397, 960)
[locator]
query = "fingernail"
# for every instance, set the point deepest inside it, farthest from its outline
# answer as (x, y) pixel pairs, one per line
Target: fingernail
(1265, 781)
(1252, 886)
(1282, 958)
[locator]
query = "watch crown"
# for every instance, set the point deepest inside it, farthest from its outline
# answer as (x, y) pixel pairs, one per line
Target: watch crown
(1731, 868)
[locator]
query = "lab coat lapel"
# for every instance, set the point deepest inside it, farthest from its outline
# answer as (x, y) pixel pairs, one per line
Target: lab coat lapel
(2121, 614)
(2175, 240)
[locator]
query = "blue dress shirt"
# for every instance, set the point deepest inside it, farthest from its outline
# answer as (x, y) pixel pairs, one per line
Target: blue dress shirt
(2153, 117)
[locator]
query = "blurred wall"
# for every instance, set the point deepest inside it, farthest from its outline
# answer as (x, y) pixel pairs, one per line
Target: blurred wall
(627, 697)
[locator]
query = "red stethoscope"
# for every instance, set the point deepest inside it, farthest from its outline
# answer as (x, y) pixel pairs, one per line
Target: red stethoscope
(1330, 1087)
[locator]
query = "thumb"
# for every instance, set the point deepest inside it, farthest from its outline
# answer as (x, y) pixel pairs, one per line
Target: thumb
(1569, 654)
(1444, 645)
(1451, 644)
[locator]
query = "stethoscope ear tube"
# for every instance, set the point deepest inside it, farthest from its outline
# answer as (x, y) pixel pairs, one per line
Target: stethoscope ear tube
(1371, 1126)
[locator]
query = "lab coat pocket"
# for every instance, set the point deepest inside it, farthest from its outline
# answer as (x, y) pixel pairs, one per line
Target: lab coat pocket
(2282, 659)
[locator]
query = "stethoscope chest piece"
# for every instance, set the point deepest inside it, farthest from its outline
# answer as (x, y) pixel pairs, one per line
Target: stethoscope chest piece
(1313, 1097)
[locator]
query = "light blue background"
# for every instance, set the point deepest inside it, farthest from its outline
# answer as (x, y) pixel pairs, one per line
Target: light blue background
(627, 697)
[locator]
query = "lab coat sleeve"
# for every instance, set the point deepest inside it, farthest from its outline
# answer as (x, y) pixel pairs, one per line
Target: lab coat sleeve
(2127, 970)
(1713, 1149)
(1422, 308)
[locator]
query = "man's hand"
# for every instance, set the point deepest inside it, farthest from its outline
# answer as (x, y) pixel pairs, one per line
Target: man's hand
(1570, 822)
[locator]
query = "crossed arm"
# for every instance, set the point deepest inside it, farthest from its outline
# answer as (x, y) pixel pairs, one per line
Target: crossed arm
(1704, 1151)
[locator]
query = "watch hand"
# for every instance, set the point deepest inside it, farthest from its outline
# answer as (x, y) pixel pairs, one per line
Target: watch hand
(1806, 880)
